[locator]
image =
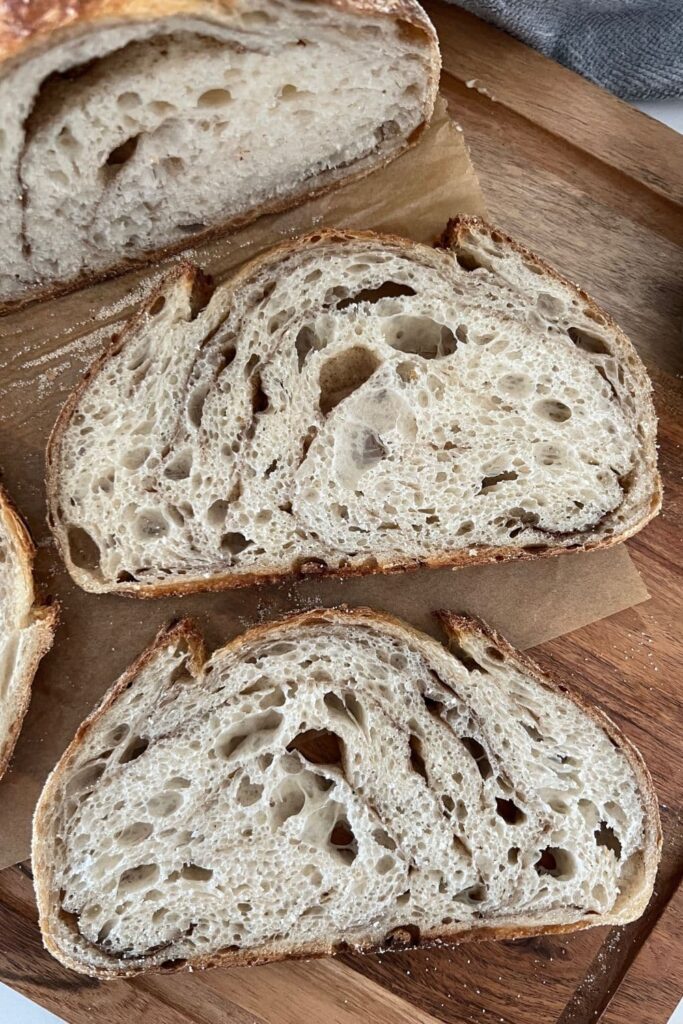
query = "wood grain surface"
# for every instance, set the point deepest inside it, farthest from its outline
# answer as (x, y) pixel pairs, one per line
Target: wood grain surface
(596, 188)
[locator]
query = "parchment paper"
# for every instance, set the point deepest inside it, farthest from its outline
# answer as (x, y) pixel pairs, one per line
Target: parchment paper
(44, 349)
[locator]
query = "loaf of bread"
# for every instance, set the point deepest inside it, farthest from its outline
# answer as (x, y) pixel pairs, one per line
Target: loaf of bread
(353, 403)
(335, 779)
(26, 628)
(131, 127)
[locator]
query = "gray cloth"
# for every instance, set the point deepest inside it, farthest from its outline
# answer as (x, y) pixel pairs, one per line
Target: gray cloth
(634, 48)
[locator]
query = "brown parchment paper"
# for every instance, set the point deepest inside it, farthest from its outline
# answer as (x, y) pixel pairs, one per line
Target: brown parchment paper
(44, 350)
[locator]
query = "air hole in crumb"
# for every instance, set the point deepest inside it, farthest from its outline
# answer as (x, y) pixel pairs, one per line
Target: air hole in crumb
(217, 512)
(464, 657)
(306, 342)
(135, 833)
(319, 746)
(103, 934)
(606, 836)
(384, 864)
(121, 154)
(215, 98)
(343, 374)
(477, 751)
(177, 782)
(306, 565)
(193, 228)
(403, 936)
(175, 965)
(259, 399)
(137, 878)
(473, 894)
(489, 482)
(195, 873)
(195, 404)
(494, 654)
(555, 862)
(434, 707)
(248, 792)
(588, 342)
(382, 838)
(260, 727)
(180, 466)
(416, 758)
(550, 305)
(118, 733)
(419, 336)
(157, 305)
(134, 749)
(467, 261)
(407, 372)
(164, 804)
(234, 543)
(552, 410)
(344, 841)
(532, 731)
(83, 549)
(150, 525)
(388, 290)
(509, 811)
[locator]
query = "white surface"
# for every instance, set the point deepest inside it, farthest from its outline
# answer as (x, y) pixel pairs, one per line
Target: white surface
(677, 1015)
(667, 111)
(14, 1009)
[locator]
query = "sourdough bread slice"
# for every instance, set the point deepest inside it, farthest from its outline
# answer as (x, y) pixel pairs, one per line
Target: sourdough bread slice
(353, 403)
(26, 628)
(136, 128)
(335, 778)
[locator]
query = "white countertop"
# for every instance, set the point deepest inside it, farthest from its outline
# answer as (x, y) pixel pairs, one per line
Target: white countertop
(14, 1009)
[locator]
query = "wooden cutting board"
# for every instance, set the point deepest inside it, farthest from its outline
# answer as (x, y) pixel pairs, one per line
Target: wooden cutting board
(597, 188)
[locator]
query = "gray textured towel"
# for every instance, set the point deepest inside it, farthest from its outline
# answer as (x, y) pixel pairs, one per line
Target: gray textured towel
(632, 47)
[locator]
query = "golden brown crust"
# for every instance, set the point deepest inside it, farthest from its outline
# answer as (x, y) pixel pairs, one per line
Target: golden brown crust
(455, 626)
(45, 616)
(470, 556)
(39, 25)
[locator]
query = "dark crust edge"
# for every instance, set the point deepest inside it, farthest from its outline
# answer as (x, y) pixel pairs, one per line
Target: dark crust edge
(455, 626)
(45, 615)
(194, 278)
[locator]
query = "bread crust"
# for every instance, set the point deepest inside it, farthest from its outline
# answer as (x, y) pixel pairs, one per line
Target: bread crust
(455, 627)
(45, 616)
(472, 555)
(30, 28)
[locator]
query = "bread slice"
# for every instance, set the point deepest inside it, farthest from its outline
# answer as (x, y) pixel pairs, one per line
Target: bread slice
(335, 780)
(353, 403)
(135, 129)
(26, 628)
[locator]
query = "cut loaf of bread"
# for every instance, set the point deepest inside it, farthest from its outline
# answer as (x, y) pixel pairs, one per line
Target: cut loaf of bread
(131, 128)
(26, 628)
(335, 780)
(353, 403)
